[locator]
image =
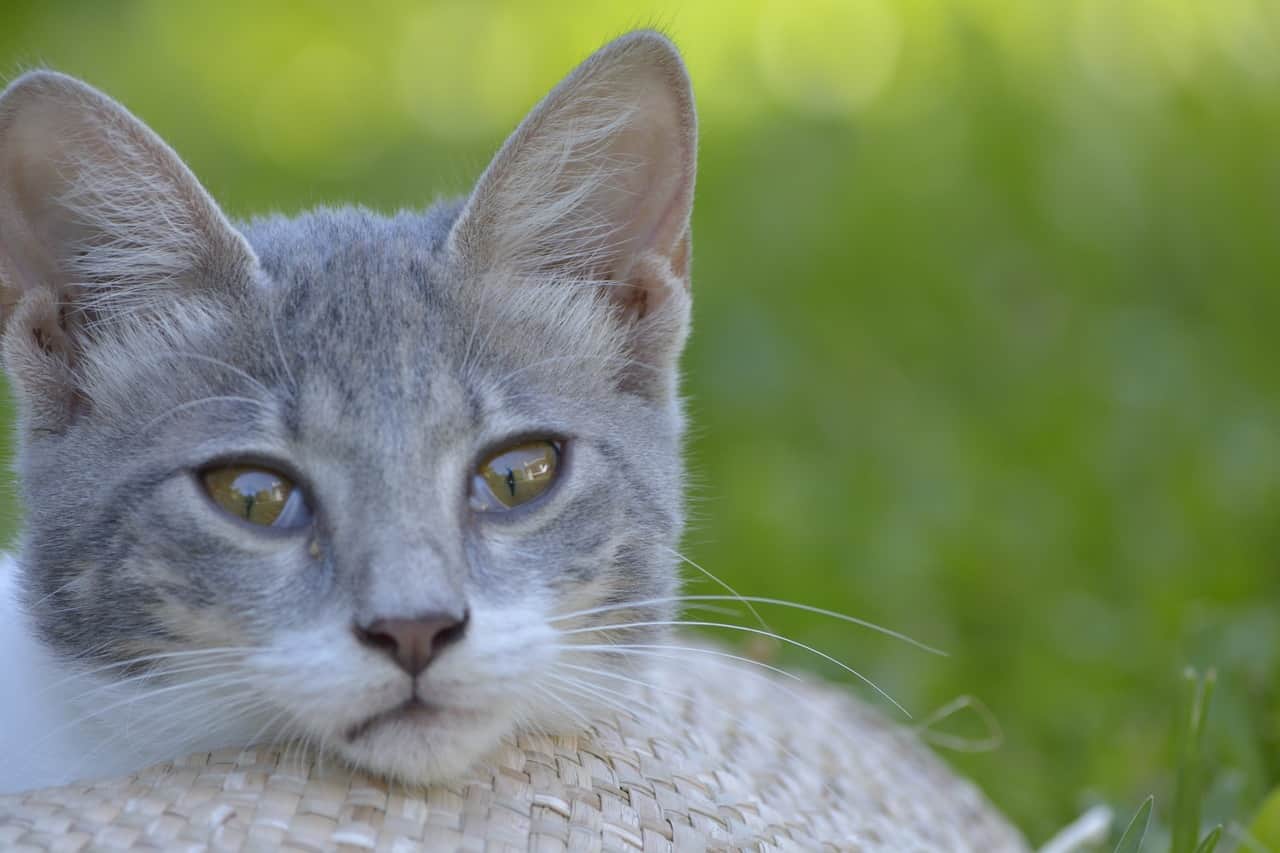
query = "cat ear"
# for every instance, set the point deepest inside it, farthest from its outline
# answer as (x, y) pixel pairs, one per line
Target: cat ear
(597, 182)
(99, 221)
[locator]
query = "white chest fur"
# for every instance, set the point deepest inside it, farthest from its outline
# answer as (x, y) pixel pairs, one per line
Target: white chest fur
(38, 736)
(59, 724)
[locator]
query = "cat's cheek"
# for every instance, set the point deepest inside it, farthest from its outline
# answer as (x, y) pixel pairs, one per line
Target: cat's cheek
(219, 578)
(508, 648)
(320, 675)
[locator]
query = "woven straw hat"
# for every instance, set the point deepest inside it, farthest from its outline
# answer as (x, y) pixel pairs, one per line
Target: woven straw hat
(719, 756)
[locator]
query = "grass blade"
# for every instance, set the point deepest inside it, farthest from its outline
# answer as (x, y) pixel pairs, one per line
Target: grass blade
(1210, 841)
(1131, 841)
(1188, 740)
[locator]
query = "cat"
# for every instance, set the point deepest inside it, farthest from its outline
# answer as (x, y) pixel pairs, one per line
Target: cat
(347, 478)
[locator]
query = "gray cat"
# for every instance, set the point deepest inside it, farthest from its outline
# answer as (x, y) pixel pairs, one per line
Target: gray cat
(346, 478)
(392, 488)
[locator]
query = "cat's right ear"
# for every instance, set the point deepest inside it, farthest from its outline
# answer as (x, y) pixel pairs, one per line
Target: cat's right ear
(100, 222)
(596, 187)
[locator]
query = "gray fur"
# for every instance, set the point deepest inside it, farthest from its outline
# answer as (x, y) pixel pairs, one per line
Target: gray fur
(374, 357)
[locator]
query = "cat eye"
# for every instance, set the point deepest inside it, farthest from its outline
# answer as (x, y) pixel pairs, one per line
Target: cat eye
(258, 496)
(515, 475)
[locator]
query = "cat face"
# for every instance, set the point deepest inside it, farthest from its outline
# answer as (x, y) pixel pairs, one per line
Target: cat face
(254, 460)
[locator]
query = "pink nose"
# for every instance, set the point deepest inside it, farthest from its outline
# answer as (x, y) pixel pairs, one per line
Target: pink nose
(413, 643)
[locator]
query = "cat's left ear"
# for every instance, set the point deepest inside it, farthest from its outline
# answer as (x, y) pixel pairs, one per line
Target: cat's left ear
(596, 185)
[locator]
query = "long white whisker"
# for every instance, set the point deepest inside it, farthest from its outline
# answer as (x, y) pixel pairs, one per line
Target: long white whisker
(182, 407)
(225, 365)
(275, 336)
(655, 650)
(596, 689)
(622, 360)
(151, 675)
(62, 588)
(992, 741)
(610, 699)
(726, 586)
(546, 691)
(731, 667)
(125, 733)
(759, 632)
(744, 599)
(161, 657)
(214, 657)
(141, 697)
(265, 728)
(218, 712)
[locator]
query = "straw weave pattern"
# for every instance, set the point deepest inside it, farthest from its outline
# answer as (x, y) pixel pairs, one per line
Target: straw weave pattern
(720, 757)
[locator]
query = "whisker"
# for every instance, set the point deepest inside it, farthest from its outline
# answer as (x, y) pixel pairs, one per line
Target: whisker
(744, 599)
(63, 588)
(546, 691)
(654, 649)
(594, 690)
(158, 722)
(723, 584)
(228, 651)
(760, 677)
(154, 674)
(225, 365)
(151, 715)
(993, 740)
(265, 727)
(141, 697)
(182, 407)
(602, 695)
(275, 336)
(621, 360)
(759, 632)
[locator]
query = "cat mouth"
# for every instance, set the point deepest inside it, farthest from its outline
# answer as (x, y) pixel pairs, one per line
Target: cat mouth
(412, 710)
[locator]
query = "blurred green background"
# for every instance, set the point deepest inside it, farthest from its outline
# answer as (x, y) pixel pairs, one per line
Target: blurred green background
(987, 310)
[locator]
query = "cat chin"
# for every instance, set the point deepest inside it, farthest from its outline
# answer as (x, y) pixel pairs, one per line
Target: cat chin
(424, 747)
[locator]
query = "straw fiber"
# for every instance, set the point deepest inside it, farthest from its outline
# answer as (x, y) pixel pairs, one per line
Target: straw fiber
(720, 757)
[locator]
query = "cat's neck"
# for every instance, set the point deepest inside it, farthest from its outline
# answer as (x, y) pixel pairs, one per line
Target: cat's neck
(37, 729)
(57, 724)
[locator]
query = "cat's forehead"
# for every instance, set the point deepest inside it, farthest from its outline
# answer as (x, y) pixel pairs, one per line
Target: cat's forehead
(365, 299)
(376, 310)
(382, 332)
(352, 261)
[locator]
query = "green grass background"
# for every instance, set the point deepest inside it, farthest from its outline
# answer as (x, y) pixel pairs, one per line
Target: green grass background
(987, 316)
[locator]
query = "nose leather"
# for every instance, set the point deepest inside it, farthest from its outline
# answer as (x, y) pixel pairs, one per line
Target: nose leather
(413, 643)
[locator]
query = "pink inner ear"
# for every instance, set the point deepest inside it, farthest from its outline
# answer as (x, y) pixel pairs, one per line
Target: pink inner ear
(28, 184)
(598, 176)
(661, 210)
(680, 258)
(92, 202)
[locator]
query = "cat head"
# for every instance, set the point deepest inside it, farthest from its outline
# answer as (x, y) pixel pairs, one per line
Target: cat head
(353, 477)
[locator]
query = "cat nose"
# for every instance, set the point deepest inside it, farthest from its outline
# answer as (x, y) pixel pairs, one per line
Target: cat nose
(413, 643)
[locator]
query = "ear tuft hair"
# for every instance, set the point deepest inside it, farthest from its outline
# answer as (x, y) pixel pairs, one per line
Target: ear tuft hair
(96, 208)
(596, 187)
(100, 224)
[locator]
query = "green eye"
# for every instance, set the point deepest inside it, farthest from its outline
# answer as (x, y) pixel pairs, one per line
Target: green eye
(515, 475)
(257, 496)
